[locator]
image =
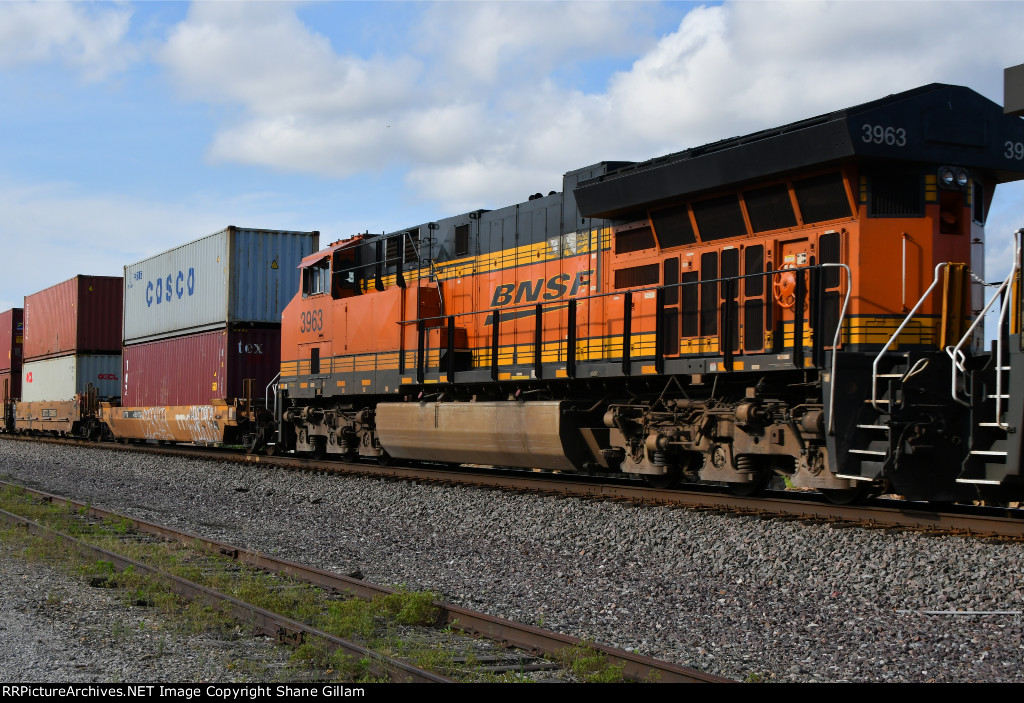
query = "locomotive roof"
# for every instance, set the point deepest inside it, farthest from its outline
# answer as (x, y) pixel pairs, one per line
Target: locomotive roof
(318, 256)
(936, 123)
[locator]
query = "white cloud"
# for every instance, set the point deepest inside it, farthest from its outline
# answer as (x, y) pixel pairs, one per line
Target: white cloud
(77, 232)
(489, 43)
(472, 108)
(88, 38)
(261, 56)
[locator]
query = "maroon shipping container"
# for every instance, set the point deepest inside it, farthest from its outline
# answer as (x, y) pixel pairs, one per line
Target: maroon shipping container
(10, 386)
(11, 332)
(79, 316)
(198, 368)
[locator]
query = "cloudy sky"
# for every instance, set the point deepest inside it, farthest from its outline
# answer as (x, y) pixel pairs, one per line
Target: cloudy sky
(128, 128)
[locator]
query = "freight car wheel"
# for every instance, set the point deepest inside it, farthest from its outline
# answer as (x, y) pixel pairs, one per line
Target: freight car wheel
(251, 442)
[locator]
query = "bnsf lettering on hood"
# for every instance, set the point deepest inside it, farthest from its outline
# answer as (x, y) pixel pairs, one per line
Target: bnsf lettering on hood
(553, 288)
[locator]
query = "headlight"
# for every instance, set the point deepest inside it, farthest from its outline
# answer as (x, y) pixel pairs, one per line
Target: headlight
(961, 178)
(946, 176)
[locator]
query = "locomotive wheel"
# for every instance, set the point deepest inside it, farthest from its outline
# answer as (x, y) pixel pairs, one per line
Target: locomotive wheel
(319, 449)
(271, 450)
(666, 480)
(750, 488)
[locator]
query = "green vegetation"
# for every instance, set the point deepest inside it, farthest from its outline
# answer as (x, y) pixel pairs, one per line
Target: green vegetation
(390, 625)
(588, 664)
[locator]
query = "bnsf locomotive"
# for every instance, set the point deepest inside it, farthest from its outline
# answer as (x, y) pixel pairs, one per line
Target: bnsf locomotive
(802, 301)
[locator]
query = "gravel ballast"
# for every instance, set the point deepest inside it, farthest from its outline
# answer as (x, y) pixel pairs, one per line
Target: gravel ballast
(740, 597)
(55, 629)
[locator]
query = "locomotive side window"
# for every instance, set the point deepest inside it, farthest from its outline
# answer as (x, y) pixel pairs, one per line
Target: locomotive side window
(673, 227)
(896, 195)
(770, 208)
(346, 278)
(719, 218)
(822, 198)
(316, 279)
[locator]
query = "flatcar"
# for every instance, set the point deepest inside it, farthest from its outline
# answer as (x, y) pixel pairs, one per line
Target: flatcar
(799, 302)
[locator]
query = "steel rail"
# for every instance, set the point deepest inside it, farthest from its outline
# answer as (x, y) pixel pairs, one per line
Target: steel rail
(507, 632)
(982, 522)
(273, 624)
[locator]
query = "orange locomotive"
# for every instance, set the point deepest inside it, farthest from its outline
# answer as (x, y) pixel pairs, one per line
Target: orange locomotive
(793, 302)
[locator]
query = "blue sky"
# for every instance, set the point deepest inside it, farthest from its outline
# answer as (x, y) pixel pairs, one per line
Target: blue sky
(128, 128)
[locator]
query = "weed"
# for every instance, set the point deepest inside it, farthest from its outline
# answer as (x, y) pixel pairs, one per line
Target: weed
(588, 664)
(411, 607)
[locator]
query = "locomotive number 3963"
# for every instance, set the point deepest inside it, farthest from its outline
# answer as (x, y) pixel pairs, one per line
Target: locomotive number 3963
(881, 134)
(312, 321)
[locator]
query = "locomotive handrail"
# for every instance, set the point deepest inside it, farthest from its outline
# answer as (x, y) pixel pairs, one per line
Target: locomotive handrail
(835, 342)
(731, 283)
(956, 353)
(266, 393)
(906, 321)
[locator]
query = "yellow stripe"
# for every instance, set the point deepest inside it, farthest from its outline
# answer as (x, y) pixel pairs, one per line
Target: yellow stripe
(506, 258)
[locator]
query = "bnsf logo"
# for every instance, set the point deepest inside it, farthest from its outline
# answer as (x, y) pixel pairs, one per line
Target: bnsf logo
(530, 291)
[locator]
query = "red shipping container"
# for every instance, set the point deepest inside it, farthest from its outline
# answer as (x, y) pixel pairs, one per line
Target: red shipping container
(10, 386)
(11, 332)
(198, 368)
(79, 316)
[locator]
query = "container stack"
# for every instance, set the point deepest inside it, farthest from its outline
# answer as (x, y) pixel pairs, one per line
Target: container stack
(11, 338)
(72, 340)
(203, 317)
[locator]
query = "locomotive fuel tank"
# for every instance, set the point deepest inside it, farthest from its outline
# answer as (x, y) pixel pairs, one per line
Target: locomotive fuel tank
(500, 433)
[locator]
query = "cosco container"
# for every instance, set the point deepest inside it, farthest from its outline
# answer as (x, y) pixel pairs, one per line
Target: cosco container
(79, 316)
(198, 368)
(64, 377)
(11, 338)
(236, 276)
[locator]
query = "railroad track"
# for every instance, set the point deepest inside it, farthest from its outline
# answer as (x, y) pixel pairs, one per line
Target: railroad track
(529, 645)
(977, 521)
